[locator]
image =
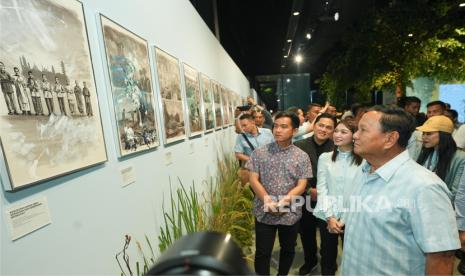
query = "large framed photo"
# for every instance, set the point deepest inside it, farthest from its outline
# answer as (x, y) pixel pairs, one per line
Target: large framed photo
(207, 104)
(49, 116)
(217, 104)
(193, 99)
(128, 65)
(169, 82)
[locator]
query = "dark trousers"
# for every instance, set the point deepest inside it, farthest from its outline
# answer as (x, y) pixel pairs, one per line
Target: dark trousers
(265, 235)
(328, 251)
(308, 225)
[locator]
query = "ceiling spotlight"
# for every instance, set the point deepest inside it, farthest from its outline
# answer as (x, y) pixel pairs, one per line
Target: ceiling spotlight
(288, 80)
(296, 13)
(308, 36)
(462, 5)
(289, 40)
(410, 35)
(278, 100)
(336, 16)
(285, 56)
(298, 58)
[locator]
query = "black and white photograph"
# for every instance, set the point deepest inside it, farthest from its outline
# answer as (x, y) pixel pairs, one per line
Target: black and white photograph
(169, 81)
(208, 111)
(131, 86)
(225, 102)
(218, 107)
(49, 116)
(193, 100)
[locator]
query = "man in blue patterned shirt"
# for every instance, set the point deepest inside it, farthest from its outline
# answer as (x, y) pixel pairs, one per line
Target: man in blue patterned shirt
(278, 176)
(404, 223)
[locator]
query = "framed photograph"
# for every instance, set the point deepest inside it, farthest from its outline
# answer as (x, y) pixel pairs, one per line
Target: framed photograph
(225, 103)
(169, 81)
(208, 110)
(217, 104)
(193, 100)
(49, 116)
(232, 106)
(128, 66)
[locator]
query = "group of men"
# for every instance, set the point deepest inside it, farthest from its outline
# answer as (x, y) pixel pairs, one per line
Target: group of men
(24, 96)
(415, 234)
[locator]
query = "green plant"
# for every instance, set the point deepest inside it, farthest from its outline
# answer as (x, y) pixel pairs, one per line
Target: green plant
(226, 208)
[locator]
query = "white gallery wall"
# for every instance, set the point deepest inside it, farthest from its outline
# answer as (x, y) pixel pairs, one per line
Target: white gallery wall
(90, 210)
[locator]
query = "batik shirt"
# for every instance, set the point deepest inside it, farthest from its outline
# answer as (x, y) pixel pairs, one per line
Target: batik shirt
(279, 170)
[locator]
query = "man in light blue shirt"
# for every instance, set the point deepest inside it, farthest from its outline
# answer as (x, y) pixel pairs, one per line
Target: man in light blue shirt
(256, 137)
(401, 220)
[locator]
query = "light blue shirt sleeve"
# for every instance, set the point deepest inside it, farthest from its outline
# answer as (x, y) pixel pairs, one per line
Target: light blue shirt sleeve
(432, 220)
(238, 147)
(323, 209)
(460, 204)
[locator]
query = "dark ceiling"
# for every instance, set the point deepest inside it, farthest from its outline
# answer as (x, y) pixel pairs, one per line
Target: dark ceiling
(255, 32)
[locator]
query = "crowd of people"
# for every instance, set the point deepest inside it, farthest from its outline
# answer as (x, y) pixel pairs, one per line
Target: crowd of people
(388, 182)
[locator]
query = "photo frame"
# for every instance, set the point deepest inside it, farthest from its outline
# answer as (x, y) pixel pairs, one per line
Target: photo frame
(127, 60)
(169, 83)
(208, 105)
(193, 100)
(48, 127)
(217, 105)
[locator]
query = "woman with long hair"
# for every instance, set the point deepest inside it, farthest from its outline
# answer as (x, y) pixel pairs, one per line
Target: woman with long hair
(439, 152)
(336, 170)
(440, 155)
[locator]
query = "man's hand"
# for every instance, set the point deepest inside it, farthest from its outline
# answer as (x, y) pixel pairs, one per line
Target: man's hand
(313, 194)
(335, 226)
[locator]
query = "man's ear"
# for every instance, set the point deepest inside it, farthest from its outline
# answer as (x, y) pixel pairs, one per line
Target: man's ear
(391, 139)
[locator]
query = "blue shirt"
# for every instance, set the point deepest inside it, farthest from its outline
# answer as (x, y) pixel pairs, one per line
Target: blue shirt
(335, 180)
(279, 170)
(263, 137)
(404, 213)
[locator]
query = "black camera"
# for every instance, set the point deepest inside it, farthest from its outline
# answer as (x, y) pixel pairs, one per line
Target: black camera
(202, 253)
(244, 107)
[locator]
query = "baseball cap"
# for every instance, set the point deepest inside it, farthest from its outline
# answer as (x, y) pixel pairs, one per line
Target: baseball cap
(437, 123)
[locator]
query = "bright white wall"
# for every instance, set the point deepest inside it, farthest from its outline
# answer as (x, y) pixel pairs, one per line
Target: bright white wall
(90, 211)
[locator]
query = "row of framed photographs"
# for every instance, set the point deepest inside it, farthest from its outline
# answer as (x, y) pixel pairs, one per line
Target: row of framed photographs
(50, 122)
(202, 106)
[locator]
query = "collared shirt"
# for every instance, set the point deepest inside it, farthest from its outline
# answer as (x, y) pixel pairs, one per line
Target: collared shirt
(335, 180)
(263, 137)
(404, 212)
(279, 170)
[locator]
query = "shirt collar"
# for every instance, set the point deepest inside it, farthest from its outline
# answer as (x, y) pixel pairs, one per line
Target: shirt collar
(250, 134)
(387, 170)
(276, 148)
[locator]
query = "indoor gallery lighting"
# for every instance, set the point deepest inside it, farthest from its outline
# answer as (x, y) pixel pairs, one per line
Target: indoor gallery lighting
(336, 16)
(410, 35)
(462, 5)
(288, 80)
(308, 36)
(289, 40)
(285, 56)
(296, 13)
(298, 58)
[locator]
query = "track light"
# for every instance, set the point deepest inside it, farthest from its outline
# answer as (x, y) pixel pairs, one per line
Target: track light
(298, 58)
(308, 36)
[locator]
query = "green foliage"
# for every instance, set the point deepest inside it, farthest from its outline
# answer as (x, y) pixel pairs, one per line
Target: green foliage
(380, 53)
(226, 208)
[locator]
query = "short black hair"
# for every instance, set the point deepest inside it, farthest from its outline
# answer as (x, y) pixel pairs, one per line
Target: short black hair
(396, 119)
(412, 99)
(312, 105)
(441, 103)
(294, 109)
(246, 116)
(356, 107)
(326, 115)
(288, 114)
(454, 113)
